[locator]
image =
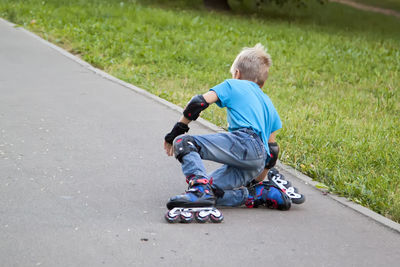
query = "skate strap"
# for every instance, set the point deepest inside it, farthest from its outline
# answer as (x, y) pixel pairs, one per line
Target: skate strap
(199, 185)
(189, 178)
(218, 192)
(192, 180)
(192, 190)
(199, 181)
(197, 191)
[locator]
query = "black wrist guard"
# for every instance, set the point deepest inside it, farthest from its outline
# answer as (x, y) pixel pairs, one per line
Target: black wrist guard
(179, 128)
(196, 105)
(273, 155)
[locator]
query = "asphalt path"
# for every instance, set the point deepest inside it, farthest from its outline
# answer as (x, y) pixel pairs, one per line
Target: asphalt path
(84, 181)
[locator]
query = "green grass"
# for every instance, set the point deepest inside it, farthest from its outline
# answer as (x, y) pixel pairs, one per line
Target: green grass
(335, 79)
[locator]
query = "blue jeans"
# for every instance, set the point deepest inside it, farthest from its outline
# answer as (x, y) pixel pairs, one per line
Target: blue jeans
(242, 154)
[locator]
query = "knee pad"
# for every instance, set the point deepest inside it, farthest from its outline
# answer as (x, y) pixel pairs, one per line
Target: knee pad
(273, 158)
(183, 145)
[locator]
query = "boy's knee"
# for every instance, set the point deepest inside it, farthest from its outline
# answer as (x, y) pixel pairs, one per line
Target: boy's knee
(274, 153)
(183, 145)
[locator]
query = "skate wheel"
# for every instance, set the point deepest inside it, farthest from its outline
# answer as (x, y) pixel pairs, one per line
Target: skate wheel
(296, 197)
(299, 200)
(216, 216)
(186, 217)
(202, 216)
(171, 219)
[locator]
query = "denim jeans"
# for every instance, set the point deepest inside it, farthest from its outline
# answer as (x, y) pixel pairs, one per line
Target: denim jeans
(242, 154)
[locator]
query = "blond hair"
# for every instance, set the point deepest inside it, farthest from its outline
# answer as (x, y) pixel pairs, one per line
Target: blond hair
(253, 64)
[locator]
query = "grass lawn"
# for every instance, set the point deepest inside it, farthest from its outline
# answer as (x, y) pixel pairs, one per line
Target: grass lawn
(335, 79)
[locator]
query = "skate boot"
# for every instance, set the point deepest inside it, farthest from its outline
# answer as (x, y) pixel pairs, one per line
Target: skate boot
(265, 193)
(278, 180)
(197, 203)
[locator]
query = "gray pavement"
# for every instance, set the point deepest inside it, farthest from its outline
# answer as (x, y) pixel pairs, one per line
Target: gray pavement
(84, 181)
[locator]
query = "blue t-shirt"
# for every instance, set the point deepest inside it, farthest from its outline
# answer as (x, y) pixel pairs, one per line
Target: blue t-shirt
(248, 107)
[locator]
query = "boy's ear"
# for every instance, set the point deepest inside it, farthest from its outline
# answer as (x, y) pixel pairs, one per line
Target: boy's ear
(237, 74)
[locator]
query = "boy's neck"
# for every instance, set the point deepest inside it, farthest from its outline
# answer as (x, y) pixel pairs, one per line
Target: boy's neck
(260, 85)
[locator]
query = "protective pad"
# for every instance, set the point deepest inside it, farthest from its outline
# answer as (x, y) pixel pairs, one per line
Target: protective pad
(218, 192)
(274, 152)
(179, 128)
(183, 145)
(196, 105)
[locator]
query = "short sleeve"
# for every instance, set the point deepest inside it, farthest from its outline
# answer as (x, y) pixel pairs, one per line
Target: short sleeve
(277, 124)
(223, 91)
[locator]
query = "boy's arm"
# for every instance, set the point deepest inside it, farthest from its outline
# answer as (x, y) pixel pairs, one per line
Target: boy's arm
(272, 138)
(181, 126)
(211, 97)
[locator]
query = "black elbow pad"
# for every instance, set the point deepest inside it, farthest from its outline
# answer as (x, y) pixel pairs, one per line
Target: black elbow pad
(196, 105)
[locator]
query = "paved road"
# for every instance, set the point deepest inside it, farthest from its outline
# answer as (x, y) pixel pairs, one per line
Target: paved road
(84, 181)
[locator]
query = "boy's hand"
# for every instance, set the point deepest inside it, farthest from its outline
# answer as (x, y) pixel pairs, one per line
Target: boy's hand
(169, 149)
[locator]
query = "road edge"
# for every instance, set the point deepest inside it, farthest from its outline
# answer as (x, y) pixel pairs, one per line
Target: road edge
(342, 200)
(298, 175)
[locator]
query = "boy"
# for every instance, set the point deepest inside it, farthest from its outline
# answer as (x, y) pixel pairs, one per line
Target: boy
(247, 151)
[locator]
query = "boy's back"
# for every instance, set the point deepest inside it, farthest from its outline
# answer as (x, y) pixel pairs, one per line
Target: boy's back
(248, 107)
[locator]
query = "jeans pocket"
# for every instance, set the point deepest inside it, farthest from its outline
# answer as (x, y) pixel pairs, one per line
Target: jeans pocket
(239, 150)
(257, 149)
